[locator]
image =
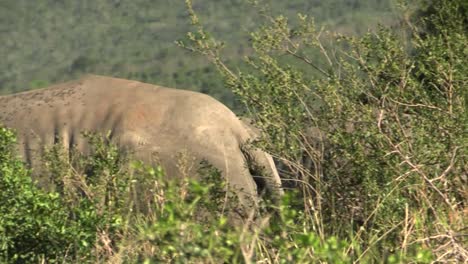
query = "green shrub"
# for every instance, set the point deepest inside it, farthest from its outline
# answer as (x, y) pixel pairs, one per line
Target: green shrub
(133, 215)
(35, 224)
(81, 220)
(375, 140)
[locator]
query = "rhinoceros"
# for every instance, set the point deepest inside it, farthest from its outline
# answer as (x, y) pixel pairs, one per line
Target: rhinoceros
(144, 118)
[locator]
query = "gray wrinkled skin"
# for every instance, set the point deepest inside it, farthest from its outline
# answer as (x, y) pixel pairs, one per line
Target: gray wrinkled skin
(143, 118)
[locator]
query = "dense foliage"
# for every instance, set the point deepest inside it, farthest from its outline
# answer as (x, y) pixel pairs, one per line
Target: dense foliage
(35, 224)
(376, 138)
(121, 214)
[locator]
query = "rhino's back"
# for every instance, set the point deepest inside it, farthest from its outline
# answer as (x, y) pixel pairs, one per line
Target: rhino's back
(60, 110)
(133, 112)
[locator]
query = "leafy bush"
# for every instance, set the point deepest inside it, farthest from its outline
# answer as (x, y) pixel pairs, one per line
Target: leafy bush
(376, 139)
(35, 224)
(133, 215)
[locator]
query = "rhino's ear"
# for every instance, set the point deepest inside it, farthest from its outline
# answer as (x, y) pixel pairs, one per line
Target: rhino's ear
(257, 171)
(263, 170)
(246, 149)
(249, 125)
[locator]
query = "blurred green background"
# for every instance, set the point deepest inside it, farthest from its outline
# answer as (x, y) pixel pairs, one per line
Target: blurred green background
(49, 41)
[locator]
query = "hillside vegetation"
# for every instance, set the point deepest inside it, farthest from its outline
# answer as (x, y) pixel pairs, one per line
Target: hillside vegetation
(48, 41)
